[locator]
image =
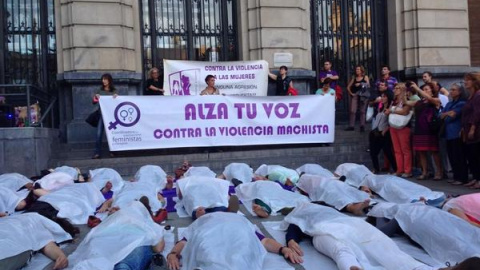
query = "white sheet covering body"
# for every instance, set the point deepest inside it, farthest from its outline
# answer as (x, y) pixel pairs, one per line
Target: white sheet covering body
(278, 173)
(55, 180)
(29, 231)
(199, 191)
(200, 171)
(75, 202)
(270, 193)
(113, 239)
(73, 172)
(133, 191)
(13, 181)
(240, 171)
(101, 176)
(152, 174)
(469, 204)
(314, 169)
(398, 190)
(219, 241)
(330, 190)
(445, 237)
(8, 200)
(354, 173)
(373, 249)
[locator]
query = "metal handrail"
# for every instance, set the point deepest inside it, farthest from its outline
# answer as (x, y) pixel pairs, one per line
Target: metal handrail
(44, 97)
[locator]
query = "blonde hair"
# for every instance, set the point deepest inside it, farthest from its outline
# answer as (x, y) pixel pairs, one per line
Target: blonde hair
(150, 72)
(403, 94)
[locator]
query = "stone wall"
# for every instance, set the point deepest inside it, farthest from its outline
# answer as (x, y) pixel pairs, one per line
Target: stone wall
(26, 150)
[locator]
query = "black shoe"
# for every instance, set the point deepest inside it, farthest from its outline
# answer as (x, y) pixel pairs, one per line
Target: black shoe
(236, 182)
(349, 129)
(362, 129)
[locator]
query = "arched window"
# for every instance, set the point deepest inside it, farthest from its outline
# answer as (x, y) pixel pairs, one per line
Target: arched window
(202, 30)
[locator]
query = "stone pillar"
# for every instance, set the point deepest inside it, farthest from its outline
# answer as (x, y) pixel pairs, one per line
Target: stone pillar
(278, 26)
(95, 37)
(429, 35)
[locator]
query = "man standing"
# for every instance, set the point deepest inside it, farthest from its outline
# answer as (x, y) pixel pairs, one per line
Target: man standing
(282, 80)
(391, 81)
(327, 72)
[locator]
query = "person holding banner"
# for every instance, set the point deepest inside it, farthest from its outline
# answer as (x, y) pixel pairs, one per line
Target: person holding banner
(283, 81)
(210, 89)
(154, 83)
(107, 89)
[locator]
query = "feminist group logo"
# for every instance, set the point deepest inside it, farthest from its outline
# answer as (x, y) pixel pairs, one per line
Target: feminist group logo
(126, 114)
(181, 81)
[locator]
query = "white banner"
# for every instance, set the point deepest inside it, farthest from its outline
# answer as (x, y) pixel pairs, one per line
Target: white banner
(153, 122)
(240, 78)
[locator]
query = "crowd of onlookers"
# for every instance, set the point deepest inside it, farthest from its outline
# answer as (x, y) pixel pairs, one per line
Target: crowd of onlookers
(416, 126)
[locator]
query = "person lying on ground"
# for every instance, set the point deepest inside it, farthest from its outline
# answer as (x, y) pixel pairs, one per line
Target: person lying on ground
(466, 207)
(105, 248)
(351, 242)
(74, 172)
(203, 245)
(268, 197)
(201, 195)
(101, 176)
(353, 174)
(237, 173)
(51, 182)
(200, 171)
(17, 245)
(180, 171)
(15, 182)
(335, 193)
(431, 228)
(398, 190)
(283, 175)
(314, 169)
(152, 174)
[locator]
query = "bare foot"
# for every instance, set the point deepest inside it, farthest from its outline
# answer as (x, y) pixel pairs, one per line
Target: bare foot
(257, 209)
(200, 212)
(357, 208)
(355, 268)
(61, 262)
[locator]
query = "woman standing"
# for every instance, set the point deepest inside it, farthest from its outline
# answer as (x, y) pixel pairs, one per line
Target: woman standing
(357, 88)
(455, 149)
(471, 127)
(154, 83)
(107, 89)
(425, 139)
(210, 89)
(401, 136)
(380, 135)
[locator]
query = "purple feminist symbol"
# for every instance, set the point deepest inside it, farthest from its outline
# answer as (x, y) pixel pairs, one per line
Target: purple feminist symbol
(185, 85)
(126, 114)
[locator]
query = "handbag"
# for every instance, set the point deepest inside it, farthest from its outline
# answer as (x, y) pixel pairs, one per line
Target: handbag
(370, 111)
(93, 118)
(399, 121)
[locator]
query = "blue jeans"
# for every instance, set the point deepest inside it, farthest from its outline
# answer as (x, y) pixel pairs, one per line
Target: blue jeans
(139, 259)
(211, 210)
(98, 143)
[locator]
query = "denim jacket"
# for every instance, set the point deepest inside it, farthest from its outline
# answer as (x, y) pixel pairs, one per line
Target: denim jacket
(453, 125)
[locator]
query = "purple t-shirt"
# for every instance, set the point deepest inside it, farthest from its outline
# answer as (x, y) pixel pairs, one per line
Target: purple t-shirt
(330, 73)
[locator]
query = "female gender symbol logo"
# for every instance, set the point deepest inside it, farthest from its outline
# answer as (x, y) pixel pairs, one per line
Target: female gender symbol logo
(126, 114)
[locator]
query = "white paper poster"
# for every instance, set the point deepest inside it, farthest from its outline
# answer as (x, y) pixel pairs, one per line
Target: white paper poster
(239, 78)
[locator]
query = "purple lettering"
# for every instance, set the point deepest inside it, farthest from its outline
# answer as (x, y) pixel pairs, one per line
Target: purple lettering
(281, 106)
(239, 107)
(268, 108)
(190, 112)
(294, 106)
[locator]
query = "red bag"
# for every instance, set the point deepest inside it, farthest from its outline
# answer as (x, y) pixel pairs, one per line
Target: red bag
(292, 92)
(338, 92)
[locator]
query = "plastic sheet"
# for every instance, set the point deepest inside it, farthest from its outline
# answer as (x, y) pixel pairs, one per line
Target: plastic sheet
(469, 204)
(330, 190)
(13, 181)
(240, 171)
(55, 180)
(314, 169)
(200, 171)
(152, 174)
(29, 231)
(133, 191)
(354, 173)
(75, 202)
(101, 176)
(278, 173)
(219, 241)
(114, 238)
(372, 248)
(68, 170)
(198, 191)
(8, 200)
(270, 193)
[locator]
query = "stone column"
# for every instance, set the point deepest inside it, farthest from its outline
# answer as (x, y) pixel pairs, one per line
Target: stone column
(429, 35)
(95, 37)
(278, 26)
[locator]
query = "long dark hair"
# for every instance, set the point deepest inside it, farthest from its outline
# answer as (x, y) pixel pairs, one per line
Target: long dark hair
(109, 78)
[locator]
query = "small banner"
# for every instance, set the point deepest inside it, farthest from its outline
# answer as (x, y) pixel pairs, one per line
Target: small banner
(239, 78)
(155, 122)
